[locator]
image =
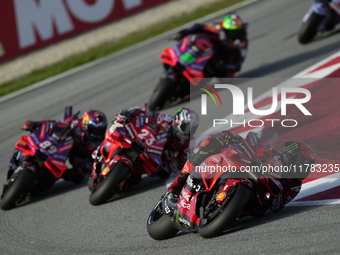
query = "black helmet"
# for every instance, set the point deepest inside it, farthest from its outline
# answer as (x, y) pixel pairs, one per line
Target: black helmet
(298, 156)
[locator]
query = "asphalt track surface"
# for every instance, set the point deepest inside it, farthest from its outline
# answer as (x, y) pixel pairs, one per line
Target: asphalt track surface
(62, 221)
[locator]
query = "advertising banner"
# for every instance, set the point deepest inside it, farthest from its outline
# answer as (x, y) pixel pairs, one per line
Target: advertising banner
(27, 25)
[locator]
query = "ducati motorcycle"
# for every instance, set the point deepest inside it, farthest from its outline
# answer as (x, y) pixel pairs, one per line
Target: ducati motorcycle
(212, 200)
(322, 16)
(43, 160)
(126, 154)
(191, 58)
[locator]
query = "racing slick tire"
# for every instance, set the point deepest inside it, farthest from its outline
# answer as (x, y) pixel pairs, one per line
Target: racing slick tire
(159, 225)
(16, 189)
(309, 29)
(107, 186)
(228, 215)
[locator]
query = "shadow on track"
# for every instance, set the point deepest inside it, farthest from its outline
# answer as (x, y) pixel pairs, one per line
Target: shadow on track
(59, 188)
(251, 222)
(145, 186)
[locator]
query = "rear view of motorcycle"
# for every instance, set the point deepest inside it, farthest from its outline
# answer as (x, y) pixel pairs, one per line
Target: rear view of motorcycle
(322, 16)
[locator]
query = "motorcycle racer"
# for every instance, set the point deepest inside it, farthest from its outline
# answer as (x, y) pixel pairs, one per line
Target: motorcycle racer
(231, 38)
(87, 134)
(178, 129)
(295, 153)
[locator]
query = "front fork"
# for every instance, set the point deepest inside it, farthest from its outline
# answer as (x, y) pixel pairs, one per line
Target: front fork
(322, 9)
(13, 173)
(101, 168)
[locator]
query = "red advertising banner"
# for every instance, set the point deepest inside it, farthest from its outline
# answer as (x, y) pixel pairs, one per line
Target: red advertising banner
(26, 25)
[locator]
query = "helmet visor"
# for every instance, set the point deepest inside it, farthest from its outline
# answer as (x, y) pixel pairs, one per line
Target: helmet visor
(233, 34)
(97, 132)
(184, 128)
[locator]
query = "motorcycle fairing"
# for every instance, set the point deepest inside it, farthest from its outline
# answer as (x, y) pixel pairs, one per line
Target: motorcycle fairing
(192, 53)
(55, 152)
(141, 131)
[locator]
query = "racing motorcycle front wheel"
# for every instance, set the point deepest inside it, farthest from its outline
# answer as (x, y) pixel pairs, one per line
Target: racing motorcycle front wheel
(309, 29)
(105, 188)
(218, 218)
(159, 224)
(16, 188)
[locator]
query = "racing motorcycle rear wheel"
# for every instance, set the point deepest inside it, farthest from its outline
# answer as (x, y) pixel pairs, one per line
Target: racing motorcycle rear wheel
(107, 185)
(219, 219)
(159, 224)
(17, 188)
(309, 29)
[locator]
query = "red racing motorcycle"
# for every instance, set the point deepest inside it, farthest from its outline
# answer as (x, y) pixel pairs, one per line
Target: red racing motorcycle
(217, 192)
(126, 154)
(188, 59)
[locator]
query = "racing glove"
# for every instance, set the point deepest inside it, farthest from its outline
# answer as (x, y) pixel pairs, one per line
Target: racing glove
(124, 117)
(226, 138)
(31, 125)
(178, 36)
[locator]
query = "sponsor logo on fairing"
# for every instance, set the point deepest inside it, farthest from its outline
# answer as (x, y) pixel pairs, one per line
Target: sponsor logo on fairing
(246, 151)
(128, 129)
(192, 185)
(58, 156)
(161, 136)
(153, 151)
(142, 119)
(185, 222)
(185, 195)
(185, 205)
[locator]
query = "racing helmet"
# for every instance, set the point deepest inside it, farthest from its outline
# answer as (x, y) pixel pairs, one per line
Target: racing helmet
(94, 124)
(232, 26)
(185, 123)
(300, 156)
